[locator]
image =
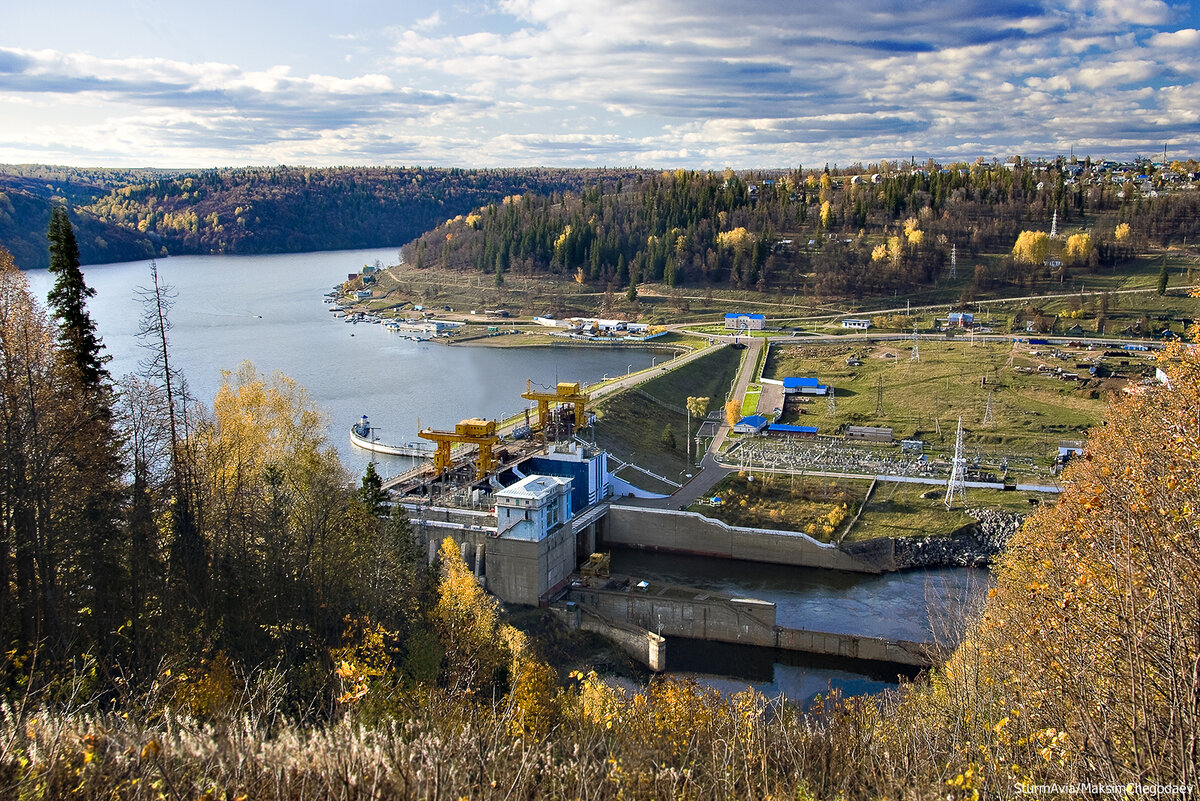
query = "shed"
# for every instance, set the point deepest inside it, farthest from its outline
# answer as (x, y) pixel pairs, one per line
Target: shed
(869, 433)
(781, 430)
(804, 385)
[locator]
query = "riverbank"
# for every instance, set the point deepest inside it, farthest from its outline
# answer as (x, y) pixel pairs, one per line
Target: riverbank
(976, 545)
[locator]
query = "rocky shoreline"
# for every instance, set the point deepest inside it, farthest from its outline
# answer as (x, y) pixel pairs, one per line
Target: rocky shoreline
(975, 545)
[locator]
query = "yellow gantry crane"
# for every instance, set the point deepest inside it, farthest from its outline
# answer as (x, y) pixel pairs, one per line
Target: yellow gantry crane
(474, 431)
(565, 393)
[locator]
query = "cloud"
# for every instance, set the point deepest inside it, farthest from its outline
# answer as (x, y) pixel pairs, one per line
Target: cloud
(592, 81)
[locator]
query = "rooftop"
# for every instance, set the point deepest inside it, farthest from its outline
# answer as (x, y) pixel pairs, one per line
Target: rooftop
(532, 488)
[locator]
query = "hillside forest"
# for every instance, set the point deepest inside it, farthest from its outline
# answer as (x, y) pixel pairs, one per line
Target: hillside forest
(812, 232)
(124, 215)
(198, 602)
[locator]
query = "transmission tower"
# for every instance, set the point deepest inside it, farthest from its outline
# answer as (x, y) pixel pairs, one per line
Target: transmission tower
(956, 487)
(916, 351)
(831, 408)
(953, 262)
(879, 395)
(987, 412)
(1054, 226)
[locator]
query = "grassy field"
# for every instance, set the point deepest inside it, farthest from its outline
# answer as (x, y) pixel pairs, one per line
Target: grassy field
(631, 425)
(897, 509)
(894, 509)
(821, 508)
(1030, 412)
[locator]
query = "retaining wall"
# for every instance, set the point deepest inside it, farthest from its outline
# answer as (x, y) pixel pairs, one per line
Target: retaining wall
(692, 533)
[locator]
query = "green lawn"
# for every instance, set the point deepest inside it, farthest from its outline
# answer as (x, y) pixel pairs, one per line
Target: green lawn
(631, 425)
(898, 509)
(1029, 412)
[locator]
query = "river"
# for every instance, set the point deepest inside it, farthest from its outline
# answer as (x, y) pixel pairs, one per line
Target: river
(917, 605)
(269, 310)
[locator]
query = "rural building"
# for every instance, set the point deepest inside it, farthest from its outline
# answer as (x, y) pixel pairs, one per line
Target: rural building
(860, 325)
(749, 322)
(869, 433)
(961, 319)
(750, 425)
(1068, 448)
(803, 385)
(781, 430)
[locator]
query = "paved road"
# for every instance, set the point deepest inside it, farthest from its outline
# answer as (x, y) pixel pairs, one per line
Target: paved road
(710, 472)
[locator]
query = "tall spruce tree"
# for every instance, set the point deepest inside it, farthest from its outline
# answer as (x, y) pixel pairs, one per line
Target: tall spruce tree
(68, 303)
(92, 484)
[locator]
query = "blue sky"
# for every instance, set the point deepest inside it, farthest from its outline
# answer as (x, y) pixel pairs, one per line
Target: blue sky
(664, 83)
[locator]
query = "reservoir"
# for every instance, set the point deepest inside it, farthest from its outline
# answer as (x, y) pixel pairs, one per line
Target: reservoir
(269, 310)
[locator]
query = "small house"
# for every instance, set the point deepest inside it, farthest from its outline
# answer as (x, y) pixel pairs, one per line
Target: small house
(750, 425)
(860, 325)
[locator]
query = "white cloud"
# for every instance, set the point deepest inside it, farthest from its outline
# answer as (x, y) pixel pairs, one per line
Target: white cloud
(585, 81)
(1187, 37)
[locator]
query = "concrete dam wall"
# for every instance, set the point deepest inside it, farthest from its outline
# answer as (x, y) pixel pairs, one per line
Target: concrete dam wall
(692, 533)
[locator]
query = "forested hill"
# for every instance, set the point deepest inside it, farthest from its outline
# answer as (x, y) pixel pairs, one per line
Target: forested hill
(849, 233)
(123, 215)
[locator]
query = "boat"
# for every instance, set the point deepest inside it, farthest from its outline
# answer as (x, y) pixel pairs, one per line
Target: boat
(362, 435)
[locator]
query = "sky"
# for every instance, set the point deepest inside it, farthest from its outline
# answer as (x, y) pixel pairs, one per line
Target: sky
(651, 83)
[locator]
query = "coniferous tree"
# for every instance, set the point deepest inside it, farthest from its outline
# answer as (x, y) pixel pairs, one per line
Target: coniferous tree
(68, 303)
(92, 518)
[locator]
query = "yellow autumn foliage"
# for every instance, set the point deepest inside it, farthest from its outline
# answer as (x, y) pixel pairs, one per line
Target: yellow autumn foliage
(1032, 247)
(737, 239)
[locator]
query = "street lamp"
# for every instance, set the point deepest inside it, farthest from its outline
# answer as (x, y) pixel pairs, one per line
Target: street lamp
(628, 369)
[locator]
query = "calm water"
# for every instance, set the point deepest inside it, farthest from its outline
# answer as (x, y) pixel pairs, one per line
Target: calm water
(918, 605)
(269, 310)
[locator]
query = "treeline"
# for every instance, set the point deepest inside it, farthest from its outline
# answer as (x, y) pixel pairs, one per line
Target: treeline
(131, 214)
(196, 601)
(801, 231)
(142, 532)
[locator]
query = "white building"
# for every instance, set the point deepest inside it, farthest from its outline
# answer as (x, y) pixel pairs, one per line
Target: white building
(533, 508)
(861, 325)
(747, 322)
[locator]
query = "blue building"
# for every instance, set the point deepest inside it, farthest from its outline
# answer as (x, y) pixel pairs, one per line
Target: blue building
(740, 321)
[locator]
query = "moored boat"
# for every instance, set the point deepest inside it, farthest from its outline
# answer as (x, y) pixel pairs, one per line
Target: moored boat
(362, 435)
